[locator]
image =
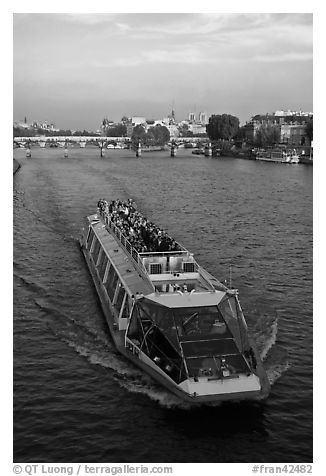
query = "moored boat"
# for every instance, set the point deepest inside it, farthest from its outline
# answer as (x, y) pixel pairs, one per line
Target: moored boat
(278, 155)
(166, 313)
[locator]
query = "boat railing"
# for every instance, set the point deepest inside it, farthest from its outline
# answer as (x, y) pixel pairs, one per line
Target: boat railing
(127, 245)
(141, 257)
(145, 256)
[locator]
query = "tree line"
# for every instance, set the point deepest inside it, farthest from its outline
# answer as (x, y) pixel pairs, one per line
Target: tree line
(36, 131)
(226, 127)
(155, 136)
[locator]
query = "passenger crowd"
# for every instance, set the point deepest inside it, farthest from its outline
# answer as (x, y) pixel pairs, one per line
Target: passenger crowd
(142, 234)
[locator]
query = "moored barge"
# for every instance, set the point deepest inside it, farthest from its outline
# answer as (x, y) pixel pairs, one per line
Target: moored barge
(172, 318)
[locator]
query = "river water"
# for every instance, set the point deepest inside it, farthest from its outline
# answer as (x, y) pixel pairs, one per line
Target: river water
(75, 398)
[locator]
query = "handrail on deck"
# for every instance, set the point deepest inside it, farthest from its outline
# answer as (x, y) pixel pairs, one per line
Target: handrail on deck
(136, 255)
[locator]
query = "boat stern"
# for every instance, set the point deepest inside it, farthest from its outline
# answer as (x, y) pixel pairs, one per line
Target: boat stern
(204, 389)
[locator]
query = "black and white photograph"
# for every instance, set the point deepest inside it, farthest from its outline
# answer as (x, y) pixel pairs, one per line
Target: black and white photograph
(162, 241)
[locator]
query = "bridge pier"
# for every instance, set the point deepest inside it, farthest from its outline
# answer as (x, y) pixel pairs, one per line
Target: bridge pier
(208, 150)
(138, 150)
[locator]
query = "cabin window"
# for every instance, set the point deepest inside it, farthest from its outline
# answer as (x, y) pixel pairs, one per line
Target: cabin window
(157, 346)
(100, 258)
(96, 250)
(160, 350)
(189, 267)
(102, 266)
(135, 331)
(197, 323)
(111, 282)
(155, 268)
(90, 238)
(121, 294)
(229, 310)
(126, 309)
(218, 346)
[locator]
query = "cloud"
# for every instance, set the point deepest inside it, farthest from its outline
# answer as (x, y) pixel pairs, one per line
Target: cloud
(182, 55)
(124, 27)
(88, 18)
(286, 57)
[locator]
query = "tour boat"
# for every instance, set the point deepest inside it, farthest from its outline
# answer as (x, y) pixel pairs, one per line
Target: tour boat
(172, 318)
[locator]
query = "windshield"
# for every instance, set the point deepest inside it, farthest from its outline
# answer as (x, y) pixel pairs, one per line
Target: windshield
(197, 323)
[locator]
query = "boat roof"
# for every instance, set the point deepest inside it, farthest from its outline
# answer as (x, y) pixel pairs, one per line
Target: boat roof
(126, 266)
(179, 299)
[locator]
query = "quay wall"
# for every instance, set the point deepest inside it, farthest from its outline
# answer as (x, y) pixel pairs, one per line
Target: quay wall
(16, 165)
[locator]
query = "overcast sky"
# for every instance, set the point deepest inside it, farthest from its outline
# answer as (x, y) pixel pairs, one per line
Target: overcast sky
(76, 69)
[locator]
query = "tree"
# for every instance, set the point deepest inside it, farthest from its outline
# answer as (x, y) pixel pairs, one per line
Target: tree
(138, 135)
(222, 126)
(185, 132)
(150, 138)
(267, 135)
(241, 133)
(118, 130)
(161, 134)
(309, 129)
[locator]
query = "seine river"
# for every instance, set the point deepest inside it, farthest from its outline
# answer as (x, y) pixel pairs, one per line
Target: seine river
(75, 398)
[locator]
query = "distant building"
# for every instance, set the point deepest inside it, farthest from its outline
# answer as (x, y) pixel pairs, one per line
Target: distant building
(197, 129)
(192, 117)
(289, 113)
(21, 125)
(136, 121)
(291, 124)
(173, 129)
(202, 118)
(45, 126)
(294, 134)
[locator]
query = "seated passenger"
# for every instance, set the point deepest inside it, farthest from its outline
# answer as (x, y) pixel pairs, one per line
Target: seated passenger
(226, 368)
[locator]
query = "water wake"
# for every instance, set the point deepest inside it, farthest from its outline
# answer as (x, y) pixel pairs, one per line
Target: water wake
(96, 347)
(123, 372)
(274, 357)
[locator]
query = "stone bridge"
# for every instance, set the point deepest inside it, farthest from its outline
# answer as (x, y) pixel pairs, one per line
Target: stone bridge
(61, 141)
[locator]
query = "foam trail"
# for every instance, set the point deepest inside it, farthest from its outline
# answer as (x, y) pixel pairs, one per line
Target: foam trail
(274, 372)
(128, 376)
(264, 334)
(270, 341)
(125, 374)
